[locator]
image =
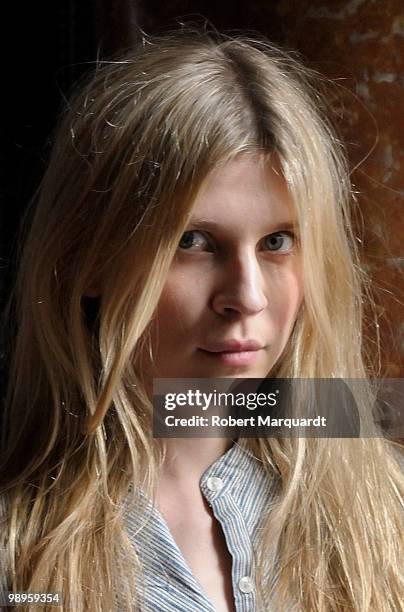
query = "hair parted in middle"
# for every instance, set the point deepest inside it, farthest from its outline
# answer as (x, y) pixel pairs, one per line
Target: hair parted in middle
(136, 147)
(130, 155)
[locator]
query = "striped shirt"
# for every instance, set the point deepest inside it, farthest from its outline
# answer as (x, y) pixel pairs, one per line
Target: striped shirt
(238, 490)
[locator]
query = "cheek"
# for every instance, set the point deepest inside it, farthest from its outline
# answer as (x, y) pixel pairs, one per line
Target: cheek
(286, 299)
(181, 305)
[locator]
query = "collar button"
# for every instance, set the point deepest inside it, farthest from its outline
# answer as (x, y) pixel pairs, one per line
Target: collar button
(214, 483)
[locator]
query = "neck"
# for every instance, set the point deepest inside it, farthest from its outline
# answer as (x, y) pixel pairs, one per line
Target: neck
(187, 458)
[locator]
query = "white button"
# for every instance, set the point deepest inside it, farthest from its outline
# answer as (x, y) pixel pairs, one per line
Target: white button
(214, 483)
(245, 584)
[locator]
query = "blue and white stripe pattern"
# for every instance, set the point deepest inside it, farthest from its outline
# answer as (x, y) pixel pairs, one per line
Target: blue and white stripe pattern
(238, 490)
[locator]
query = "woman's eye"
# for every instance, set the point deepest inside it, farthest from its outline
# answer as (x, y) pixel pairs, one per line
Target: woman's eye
(280, 241)
(193, 240)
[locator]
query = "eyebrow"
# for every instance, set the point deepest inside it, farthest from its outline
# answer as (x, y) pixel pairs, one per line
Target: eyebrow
(209, 225)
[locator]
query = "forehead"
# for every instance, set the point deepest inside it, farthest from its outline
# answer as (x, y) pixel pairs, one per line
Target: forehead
(245, 190)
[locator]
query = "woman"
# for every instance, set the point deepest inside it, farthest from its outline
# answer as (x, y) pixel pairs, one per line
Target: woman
(193, 222)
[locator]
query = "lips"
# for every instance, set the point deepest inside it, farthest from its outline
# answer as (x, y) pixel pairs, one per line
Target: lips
(235, 353)
(233, 346)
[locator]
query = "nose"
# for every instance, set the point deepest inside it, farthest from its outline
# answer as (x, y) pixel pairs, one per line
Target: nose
(241, 288)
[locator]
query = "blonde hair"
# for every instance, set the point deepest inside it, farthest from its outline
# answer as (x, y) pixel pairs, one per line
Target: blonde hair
(130, 155)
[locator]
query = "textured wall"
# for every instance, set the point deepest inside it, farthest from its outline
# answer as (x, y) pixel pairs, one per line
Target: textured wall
(360, 44)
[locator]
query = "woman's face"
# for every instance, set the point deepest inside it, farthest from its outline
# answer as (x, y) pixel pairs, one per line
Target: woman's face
(234, 288)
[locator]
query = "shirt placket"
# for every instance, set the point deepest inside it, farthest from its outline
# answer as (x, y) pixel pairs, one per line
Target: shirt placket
(217, 493)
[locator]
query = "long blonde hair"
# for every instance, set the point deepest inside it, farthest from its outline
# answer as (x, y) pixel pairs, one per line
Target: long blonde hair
(129, 157)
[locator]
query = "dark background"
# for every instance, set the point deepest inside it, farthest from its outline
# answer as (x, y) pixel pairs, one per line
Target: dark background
(358, 43)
